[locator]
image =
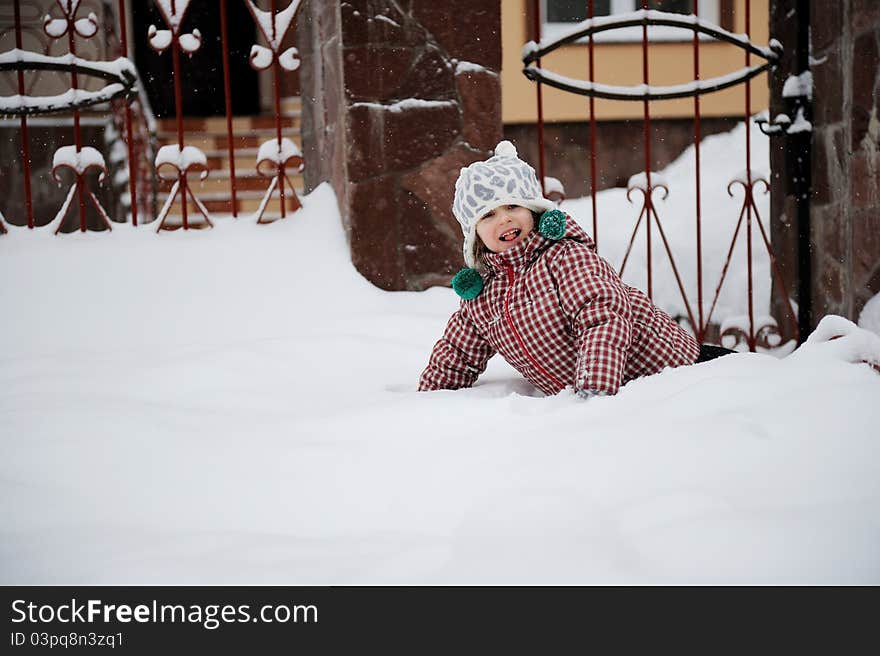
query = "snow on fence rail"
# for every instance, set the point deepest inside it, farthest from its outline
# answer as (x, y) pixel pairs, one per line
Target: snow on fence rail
(755, 328)
(133, 123)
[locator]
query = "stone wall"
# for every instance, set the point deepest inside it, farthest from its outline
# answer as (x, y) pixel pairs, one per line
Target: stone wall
(397, 97)
(846, 155)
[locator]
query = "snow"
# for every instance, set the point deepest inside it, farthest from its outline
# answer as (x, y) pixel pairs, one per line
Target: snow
(159, 39)
(615, 21)
(190, 42)
(869, 319)
(237, 406)
(87, 27)
(274, 26)
(55, 27)
(60, 102)
(78, 160)
(406, 103)
(720, 211)
(120, 67)
(842, 340)
(642, 91)
(640, 180)
(173, 11)
(464, 67)
(782, 120)
(273, 151)
(181, 159)
(261, 57)
(800, 123)
(69, 7)
(798, 86)
(289, 59)
(386, 19)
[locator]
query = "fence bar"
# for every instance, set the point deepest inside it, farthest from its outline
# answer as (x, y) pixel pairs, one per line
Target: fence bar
(178, 109)
(647, 130)
(701, 326)
(132, 165)
(227, 90)
(540, 98)
(752, 338)
(276, 86)
(25, 145)
(77, 134)
(801, 143)
(593, 185)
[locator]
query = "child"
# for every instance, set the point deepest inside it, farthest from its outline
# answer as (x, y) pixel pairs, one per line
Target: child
(537, 293)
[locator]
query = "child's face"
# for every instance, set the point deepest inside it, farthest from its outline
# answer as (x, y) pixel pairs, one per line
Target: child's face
(505, 226)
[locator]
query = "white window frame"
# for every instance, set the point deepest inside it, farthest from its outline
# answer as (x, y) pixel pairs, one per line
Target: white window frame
(709, 11)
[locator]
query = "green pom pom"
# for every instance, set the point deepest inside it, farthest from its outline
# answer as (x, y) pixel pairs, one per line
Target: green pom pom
(467, 283)
(552, 224)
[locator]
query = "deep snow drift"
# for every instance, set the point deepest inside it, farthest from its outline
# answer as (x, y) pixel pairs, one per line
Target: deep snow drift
(237, 406)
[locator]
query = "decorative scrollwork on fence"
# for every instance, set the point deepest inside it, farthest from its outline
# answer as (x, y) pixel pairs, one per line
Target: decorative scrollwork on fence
(757, 332)
(79, 162)
(749, 210)
(180, 160)
(532, 52)
(648, 187)
(278, 153)
(120, 73)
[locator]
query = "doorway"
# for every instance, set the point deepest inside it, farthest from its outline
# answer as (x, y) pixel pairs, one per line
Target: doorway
(201, 73)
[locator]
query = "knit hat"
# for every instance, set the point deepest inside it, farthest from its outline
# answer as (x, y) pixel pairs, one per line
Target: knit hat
(503, 179)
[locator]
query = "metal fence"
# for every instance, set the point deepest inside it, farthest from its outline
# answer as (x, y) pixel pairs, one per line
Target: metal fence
(52, 38)
(755, 331)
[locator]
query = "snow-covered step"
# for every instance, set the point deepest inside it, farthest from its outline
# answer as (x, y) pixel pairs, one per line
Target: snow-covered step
(217, 124)
(220, 142)
(245, 161)
(209, 134)
(197, 221)
(291, 105)
(246, 202)
(218, 181)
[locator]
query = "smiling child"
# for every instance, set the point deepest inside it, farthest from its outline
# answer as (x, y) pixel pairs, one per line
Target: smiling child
(536, 292)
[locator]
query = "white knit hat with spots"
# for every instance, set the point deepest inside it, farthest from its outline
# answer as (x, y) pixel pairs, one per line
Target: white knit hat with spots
(503, 179)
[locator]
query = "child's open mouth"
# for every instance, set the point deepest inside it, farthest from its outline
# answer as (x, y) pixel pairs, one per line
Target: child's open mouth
(510, 235)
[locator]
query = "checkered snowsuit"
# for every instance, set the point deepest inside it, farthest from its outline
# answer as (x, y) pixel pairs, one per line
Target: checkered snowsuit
(562, 317)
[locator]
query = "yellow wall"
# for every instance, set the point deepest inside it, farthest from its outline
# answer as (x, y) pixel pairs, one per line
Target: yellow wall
(621, 64)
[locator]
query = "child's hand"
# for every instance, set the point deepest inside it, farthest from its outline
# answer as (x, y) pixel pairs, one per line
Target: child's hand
(588, 394)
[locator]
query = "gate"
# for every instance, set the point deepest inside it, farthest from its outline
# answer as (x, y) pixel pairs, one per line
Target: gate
(752, 330)
(53, 37)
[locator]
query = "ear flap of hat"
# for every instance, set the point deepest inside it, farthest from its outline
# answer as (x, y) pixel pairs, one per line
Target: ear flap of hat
(552, 224)
(467, 283)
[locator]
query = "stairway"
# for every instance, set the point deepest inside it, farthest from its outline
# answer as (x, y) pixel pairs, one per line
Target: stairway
(215, 192)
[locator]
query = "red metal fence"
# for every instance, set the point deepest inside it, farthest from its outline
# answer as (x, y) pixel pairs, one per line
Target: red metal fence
(756, 331)
(68, 25)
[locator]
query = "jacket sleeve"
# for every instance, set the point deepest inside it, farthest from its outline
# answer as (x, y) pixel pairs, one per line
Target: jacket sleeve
(597, 303)
(458, 358)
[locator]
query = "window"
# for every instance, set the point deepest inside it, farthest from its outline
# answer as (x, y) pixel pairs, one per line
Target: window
(560, 15)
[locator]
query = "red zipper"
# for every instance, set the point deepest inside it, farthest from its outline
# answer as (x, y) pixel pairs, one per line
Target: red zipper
(519, 339)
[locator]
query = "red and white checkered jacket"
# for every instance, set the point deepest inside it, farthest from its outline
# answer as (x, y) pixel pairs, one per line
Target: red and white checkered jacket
(561, 316)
